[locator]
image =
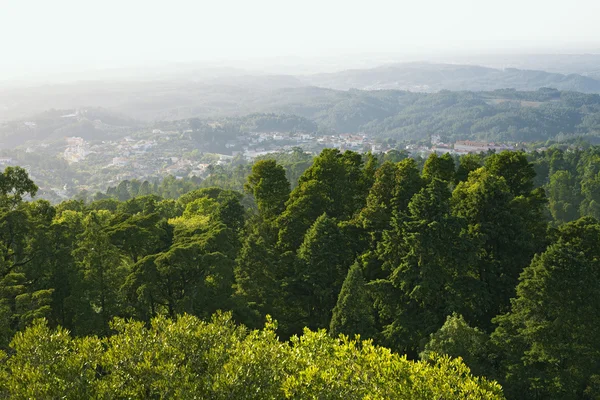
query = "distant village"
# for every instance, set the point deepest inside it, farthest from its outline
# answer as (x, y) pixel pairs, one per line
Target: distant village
(164, 153)
(130, 152)
(459, 147)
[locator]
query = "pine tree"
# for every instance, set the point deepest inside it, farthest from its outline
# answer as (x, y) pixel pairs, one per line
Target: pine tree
(353, 313)
(270, 187)
(440, 167)
(550, 339)
(323, 262)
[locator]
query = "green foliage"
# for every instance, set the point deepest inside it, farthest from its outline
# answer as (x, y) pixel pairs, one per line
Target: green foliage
(51, 364)
(425, 282)
(516, 170)
(258, 274)
(333, 185)
(467, 164)
(563, 197)
(457, 339)
(353, 313)
(188, 358)
(101, 272)
(360, 247)
(14, 184)
(323, 262)
(550, 337)
(506, 230)
(439, 167)
(269, 186)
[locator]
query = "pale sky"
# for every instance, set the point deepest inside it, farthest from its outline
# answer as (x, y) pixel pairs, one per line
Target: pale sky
(38, 36)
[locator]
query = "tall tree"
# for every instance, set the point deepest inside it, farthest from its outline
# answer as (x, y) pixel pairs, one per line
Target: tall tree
(353, 314)
(23, 227)
(102, 273)
(550, 338)
(516, 170)
(334, 184)
(269, 186)
(376, 214)
(467, 164)
(408, 183)
(507, 230)
(322, 268)
(429, 270)
(564, 197)
(439, 167)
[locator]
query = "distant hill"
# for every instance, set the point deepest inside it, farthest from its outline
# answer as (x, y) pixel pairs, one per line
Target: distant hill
(51, 125)
(427, 77)
(216, 96)
(583, 64)
(500, 115)
(402, 101)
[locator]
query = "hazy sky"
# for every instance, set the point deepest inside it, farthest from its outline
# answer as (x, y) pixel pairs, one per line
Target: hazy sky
(38, 36)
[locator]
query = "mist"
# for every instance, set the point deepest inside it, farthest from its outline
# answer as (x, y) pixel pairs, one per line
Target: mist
(73, 40)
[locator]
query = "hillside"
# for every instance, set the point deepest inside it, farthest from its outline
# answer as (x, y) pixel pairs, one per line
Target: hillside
(426, 77)
(500, 115)
(52, 125)
(189, 95)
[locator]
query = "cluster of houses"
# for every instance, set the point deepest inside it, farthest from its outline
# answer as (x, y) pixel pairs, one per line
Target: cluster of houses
(261, 143)
(76, 150)
(460, 147)
(121, 152)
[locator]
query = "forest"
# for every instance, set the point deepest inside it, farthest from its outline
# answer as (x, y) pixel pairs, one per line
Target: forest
(350, 275)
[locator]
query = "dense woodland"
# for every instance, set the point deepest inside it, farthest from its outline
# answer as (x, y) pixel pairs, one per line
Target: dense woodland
(222, 293)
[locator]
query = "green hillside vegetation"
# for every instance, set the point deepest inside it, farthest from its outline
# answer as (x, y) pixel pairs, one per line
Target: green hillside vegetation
(163, 290)
(500, 115)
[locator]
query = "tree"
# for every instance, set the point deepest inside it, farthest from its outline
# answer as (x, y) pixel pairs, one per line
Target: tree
(440, 167)
(590, 187)
(137, 236)
(259, 276)
(194, 275)
(323, 265)
(429, 264)
(516, 170)
(564, 197)
(408, 182)
(550, 338)
(467, 164)
(230, 211)
(102, 273)
(302, 209)
(269, 186)
(353, 313)
(507, 230)
(376, 214)
(334, 184)
(23, 227)
(218, 359)
(457, 339)
(14, 185)
(123, 191)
